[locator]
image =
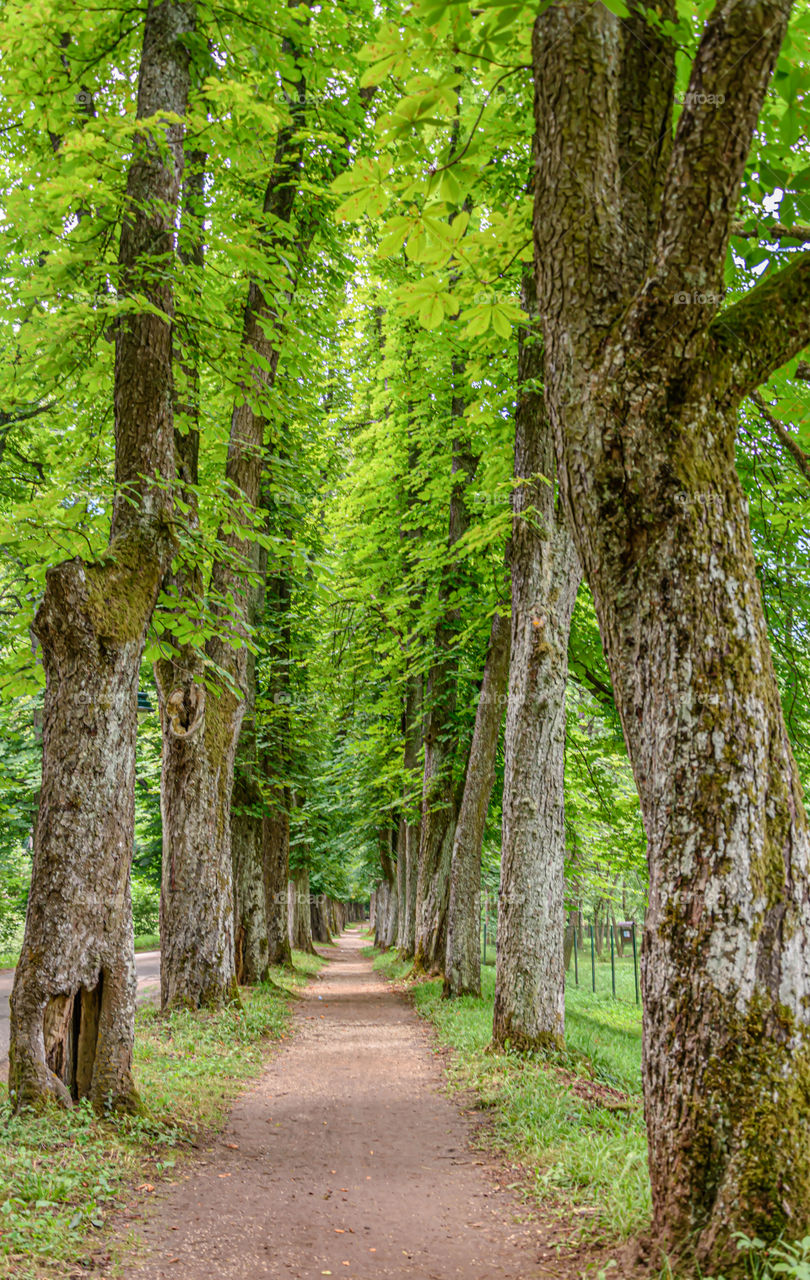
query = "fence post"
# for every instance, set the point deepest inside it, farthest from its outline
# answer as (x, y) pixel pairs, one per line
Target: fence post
(576, 965)
(635, 960)
(485, 925)
(593, 963)
(612, 962)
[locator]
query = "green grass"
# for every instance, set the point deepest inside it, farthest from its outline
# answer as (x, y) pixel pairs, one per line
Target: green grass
(574, 1120)
(63, 1173)
(147, 942)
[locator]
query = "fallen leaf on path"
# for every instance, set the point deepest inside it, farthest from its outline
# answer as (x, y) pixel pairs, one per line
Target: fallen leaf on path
(234, 1146)
(340, 1231)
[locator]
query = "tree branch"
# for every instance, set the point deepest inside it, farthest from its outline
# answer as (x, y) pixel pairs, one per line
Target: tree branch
(730, 76)
(776, 231)
(765, 329)
(784, 437)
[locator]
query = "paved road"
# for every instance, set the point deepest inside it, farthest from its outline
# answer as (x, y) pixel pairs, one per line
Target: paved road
(148, 966)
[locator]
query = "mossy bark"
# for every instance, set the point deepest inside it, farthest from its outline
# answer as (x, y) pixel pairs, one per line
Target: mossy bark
(73, 1003)
(642, 383)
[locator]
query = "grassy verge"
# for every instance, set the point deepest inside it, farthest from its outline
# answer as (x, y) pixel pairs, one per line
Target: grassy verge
(147, 942)
(574, 1120)
(63, 1174)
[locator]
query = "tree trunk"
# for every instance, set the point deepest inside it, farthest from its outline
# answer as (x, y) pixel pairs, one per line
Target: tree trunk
(463, 962)
(385, 931)
(197, 901)
(439, 803)
(298, 912)
(530, 981)
(409, 845)
(643, 392)
(249, 907)
(319, 919)
(73, 1003)
(402, 883)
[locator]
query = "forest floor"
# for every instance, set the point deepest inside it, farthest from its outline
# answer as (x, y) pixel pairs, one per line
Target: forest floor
(346, 1159)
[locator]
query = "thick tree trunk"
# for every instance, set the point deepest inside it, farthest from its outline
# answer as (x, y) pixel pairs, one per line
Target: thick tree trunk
(73, 1003)
(642, 392)
(299, 915)
(463, 963)
(529, 985)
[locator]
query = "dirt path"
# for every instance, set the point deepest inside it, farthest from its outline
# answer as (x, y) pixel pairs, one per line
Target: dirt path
(350, 1162)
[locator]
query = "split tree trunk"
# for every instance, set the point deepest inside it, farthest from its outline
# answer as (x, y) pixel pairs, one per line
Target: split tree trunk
(73, 1002)
(530, 982)
(643, 390)
(463, 962)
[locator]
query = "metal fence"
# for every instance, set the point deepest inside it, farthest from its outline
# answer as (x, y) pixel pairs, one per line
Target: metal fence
(586, 942)
(588, 947)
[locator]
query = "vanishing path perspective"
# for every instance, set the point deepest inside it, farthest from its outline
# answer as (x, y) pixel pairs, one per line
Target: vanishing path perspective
(346, 1159)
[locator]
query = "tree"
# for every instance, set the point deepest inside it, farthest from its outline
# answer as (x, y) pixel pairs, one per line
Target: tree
(644, 373)
(73, 1003)
(462, 966)
(529, 988)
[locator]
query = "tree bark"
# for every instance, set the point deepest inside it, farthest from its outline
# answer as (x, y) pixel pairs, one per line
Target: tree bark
(530, 982)
(320, 919)
(73, 1003)
(463, 962)
(299, 915)
(643, 391)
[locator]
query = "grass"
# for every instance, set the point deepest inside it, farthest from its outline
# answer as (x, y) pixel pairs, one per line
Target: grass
(147, 942)
(574, 1120)
(64, 1173)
